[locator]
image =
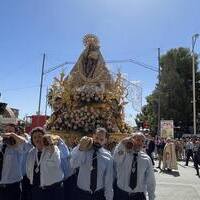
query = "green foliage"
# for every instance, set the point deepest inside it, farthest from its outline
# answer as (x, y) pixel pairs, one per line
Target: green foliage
(175, 90)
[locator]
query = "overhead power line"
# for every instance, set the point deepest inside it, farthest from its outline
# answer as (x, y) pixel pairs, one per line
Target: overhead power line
(152, 68)
(58, 66)
(135, 62)
(22, 88)
(144, 65)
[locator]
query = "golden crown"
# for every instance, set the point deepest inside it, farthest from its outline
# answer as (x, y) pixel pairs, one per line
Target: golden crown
(88, 38)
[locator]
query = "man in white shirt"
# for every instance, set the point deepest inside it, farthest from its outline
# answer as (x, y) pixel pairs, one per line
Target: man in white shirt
(134, 170)
(95, 177)
(11, 152)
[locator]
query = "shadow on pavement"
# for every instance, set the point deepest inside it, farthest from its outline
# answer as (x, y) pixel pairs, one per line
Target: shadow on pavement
(184, 166)
(172, 173)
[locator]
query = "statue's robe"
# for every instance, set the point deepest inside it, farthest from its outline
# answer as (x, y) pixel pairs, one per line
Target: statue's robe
(90, 69)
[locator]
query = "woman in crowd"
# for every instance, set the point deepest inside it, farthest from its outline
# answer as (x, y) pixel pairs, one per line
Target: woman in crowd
(43, 167)
(160, 147)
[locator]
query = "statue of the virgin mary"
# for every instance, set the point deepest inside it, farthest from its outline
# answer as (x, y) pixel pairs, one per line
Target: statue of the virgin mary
(90, 67)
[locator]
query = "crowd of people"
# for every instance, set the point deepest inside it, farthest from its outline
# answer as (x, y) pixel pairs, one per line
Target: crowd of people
(39, 166)
(168, 151)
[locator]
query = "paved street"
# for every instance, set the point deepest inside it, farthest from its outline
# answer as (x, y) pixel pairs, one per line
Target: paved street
(178, 185)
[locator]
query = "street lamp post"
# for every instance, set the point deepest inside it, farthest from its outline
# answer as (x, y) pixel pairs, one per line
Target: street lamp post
(159, 128)
(41, 85)
(194, 39)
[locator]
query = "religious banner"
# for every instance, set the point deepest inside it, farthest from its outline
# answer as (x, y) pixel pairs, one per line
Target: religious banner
(167, 128)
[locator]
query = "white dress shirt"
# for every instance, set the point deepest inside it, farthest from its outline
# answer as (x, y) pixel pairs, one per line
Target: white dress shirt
(83, 161)
(50, 166)
(145, 173)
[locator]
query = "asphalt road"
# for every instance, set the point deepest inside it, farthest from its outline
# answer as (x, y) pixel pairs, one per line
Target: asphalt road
(178, 185)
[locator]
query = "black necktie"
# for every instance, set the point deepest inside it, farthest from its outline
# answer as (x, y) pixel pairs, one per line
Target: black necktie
(93, 176)
(133, 176)
(36, 172)
(1, 158)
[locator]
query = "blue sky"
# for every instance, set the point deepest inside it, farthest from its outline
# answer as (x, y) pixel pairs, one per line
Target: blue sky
(126, 29)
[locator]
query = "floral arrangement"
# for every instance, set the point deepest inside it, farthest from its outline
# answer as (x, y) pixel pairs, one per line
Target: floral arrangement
(84, 119)
(85, 97)
(89, 96)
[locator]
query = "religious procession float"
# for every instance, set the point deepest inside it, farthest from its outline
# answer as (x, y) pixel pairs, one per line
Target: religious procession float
(88, 97)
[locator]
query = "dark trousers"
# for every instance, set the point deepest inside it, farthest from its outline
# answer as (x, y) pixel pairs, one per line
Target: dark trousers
(196, 166)
(123, 195)
(189, 153)
(10, 191)
(196, 163)
(26, 188)
(53, 192)
(69, 187)
(150, 155)
(84, 195)
(160, 158)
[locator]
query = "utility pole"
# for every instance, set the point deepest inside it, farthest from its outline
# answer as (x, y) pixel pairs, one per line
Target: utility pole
(141, 99)
(41, 84)
(46, 102)
(158, 131)
(194, 39)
